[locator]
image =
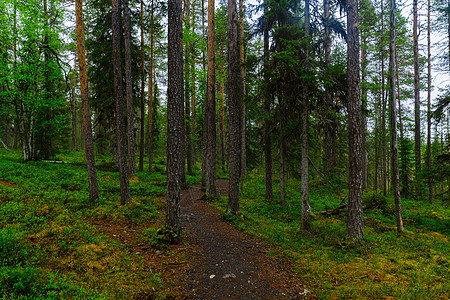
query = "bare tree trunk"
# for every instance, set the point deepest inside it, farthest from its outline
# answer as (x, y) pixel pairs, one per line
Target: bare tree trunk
(74, 108)
(243, 110)
(89, 149)
(150, 90)
(211, 101)
(175, 118)
(142, 131)
(355, 213)
(393, 116)
(46, 139)
(222, 112)
(187, 89)
(234, 86)
(205, 119)
(383, 109)
(282, 154)
(193, 96)
(365, 160)
(430, 182)
(416, 91)
(306, 209)
(16, 119)
(399, 96)
(267, 104)
(118, 92)
(129, 90)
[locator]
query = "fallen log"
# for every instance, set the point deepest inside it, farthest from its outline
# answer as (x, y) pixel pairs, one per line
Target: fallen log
(4, 145)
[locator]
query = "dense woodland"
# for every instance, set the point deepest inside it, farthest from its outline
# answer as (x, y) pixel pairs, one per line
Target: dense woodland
(312, 110)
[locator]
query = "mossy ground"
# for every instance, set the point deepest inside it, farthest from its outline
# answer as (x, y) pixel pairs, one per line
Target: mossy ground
(385, 265)
(50, 243)
(52, 247)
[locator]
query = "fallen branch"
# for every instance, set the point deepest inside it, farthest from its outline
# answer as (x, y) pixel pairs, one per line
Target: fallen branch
(56, 161)
(342, 208)
(4, 145)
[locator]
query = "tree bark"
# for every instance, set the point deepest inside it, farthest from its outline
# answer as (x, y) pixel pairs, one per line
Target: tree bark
(243, 109)
(430, 182)
(129, 90)
(89, 149)
(150, 90)
(222, 111)
(355, 213)
(393, 116)
(142, 131)
(175, 118)
(282, 154)
(365, 158)
(205, 118)
(306, 209)
(383, 109)
(118, 93)
(234, 108)
(416, 91)
(74, 109)
(211, 102)
(267, 104)
(187, 89)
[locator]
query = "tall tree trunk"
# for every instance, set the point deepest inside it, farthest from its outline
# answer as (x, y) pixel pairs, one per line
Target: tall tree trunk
(142, 131)
(193, 96)
(118, 93)
(46, 142)
(150, 90)
(89, 149)
(383, 109)
(211, 101)
(355, 213)
(365, 158)
(129, 90)
(74, 108)
(376, 137)
(430, 182)
(175, 118)
(205, 118)
(234, 85)
(306, 209)
(448, 30)
(187, 89)
(243, 109)
(416, 91)
(330, 125)
(16, 119)
(399, 96)
(282, 154)
(267, 104)
(393, 116)
(222, 111)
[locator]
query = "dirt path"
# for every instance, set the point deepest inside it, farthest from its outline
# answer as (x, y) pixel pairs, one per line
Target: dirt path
(227, 264)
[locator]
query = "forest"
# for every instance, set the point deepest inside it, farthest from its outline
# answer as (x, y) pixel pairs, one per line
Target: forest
(201, 149)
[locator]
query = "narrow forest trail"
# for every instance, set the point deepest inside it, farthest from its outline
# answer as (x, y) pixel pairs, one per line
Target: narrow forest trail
(227, 264)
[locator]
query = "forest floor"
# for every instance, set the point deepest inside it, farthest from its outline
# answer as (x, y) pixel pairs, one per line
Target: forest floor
(57, 244)
(216, 260)
(226, 263)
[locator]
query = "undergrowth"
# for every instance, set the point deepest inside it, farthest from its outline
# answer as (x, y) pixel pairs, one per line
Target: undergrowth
(49, 246)
(384, 266)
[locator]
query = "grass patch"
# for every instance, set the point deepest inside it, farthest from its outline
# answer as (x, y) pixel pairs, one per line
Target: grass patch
(385, 265)
(49, 248)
